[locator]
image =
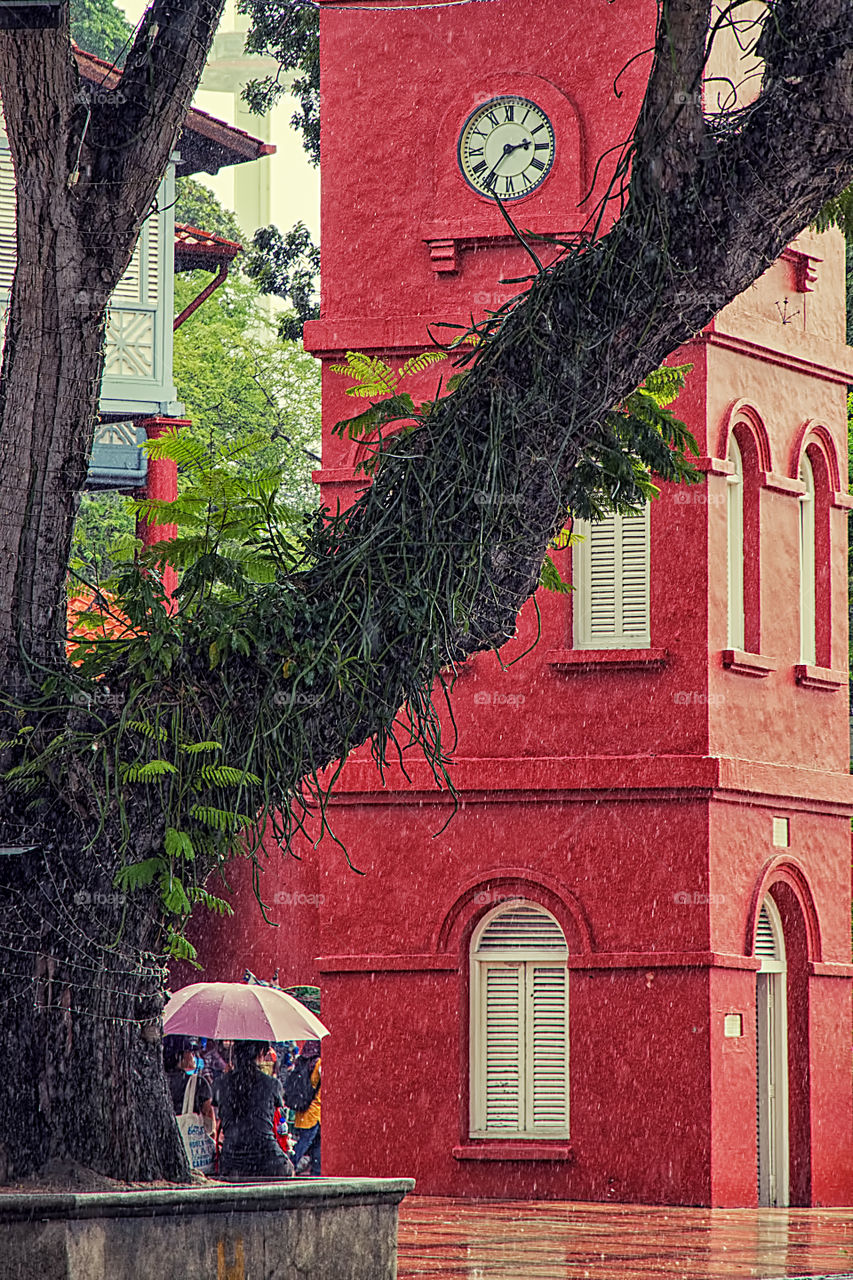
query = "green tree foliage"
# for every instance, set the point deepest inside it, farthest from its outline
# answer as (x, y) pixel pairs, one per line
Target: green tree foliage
(290, 33)
(197, 205)
(287, 266)
(238, 381)
(100, 27)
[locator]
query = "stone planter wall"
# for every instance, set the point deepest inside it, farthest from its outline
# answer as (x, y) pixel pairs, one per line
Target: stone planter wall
(318, 1229)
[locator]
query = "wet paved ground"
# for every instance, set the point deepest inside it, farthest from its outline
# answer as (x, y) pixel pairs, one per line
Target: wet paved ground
(547, 1240)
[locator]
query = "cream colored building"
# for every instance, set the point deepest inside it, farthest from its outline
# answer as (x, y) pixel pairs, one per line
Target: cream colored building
(283, 188)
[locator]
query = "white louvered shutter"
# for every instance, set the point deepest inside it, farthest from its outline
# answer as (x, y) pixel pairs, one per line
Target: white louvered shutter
(8, 221)
(765, 942)
(503, 1046)
(548, 1076)
(519, 1023)
(612, 583)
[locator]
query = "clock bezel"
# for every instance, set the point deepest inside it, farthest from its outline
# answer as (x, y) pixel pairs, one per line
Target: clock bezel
(484, 107)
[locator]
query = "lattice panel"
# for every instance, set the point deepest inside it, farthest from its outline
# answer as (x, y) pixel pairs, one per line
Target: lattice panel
(130, 344)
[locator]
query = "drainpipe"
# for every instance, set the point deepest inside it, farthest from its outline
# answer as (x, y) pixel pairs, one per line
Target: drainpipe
(203, 296)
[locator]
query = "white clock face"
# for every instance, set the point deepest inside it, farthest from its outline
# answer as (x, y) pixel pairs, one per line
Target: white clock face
(506, 147)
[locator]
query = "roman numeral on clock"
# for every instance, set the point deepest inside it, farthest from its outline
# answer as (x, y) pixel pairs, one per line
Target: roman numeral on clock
(478, 167)
(509, 108)
(489, 181)
(492, 118)
(542, 146)
(510, 186)
(475, 151)
(536, 164)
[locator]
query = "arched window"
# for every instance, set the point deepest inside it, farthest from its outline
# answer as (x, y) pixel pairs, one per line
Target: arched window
(771, 1057)
(734, 509)
(519, 1025)
(808, 612)
(611, 579)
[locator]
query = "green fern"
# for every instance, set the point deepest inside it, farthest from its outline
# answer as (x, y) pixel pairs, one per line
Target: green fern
(551, 579)
(136, 875)
(837, 212)
(146, 772)
(417, 364)
(178, 844)
(217, 905)
(220, 819)
(223, 775)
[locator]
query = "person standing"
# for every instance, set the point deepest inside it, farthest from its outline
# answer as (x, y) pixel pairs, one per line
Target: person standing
(180, 1063)
(246, 1099)
(306, 1156)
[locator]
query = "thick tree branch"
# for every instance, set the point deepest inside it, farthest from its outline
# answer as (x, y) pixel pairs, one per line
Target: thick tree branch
(670, 134)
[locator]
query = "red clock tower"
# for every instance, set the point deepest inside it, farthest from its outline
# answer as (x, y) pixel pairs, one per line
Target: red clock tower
(622, 971)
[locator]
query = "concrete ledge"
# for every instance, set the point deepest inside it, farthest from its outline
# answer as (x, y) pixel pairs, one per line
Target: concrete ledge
(298, 1229)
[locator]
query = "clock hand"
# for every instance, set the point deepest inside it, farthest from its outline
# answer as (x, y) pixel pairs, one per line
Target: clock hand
(509, 147)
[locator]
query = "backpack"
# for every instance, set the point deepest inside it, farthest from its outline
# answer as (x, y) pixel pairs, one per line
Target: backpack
(297, 1088)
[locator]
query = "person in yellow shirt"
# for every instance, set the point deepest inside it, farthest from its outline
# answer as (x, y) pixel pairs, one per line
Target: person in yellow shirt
(306, 1157)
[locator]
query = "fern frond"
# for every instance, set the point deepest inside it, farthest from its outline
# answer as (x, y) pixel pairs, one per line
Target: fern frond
(177, 946)
(138, 874)
(145, 772)
(224, 775)
(178, 844)
(219, 819)
(417, 364)
(218, 905)
(551, 579)
(148, 730)
(837, 212)
(665, 383)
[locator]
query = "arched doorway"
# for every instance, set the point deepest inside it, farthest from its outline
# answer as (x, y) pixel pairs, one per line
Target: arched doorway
(772, 1057)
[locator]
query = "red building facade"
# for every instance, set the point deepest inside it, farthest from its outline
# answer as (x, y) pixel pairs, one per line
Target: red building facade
(638, 922)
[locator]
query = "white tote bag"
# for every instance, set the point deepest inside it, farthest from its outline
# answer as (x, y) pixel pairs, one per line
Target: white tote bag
(198, 1143)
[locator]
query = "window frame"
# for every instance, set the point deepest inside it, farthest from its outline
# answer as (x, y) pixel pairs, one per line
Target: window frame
(584, 634)
(524, 961)
(735, 549)
(807, 543)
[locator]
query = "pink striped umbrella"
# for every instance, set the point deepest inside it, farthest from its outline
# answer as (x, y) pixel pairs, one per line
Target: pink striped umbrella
(237, 1011)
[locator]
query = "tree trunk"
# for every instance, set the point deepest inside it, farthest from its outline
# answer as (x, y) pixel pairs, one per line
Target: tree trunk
(79, 1019)
(82, 982)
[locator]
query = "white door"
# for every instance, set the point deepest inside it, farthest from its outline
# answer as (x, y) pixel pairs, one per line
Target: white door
(772, 1059)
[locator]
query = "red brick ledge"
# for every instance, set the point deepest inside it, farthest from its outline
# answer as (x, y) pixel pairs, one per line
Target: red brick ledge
(572, 661)
(664, 776)
(748, 664)
(444, 963)
(497, 1149)
(825, 969)
(819, 677)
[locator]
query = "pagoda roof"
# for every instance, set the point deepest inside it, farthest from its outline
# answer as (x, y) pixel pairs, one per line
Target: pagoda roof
(206, 144)
(195, 248)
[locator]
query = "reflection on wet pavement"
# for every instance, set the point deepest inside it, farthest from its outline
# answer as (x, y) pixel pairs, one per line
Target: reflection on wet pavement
(547, 1240)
